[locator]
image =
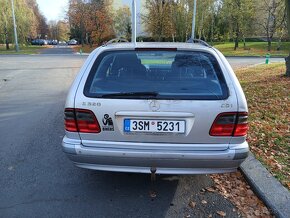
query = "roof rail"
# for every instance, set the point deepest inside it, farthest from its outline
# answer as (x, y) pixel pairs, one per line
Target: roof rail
(116, 40)
(198, 41)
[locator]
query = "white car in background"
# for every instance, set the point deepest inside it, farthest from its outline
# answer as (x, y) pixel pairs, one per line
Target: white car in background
(72, 42)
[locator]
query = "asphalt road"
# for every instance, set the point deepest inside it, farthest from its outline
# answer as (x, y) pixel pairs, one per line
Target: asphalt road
(238, 62)
(37, 180)
(58, 49)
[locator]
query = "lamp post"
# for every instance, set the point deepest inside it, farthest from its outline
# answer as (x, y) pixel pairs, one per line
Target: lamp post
(193, 21)
(134, 22)
(14, 24)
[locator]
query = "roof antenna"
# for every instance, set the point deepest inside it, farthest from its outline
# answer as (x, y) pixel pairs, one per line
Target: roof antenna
(134, 22)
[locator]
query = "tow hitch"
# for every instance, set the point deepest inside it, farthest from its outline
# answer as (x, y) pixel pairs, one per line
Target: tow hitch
(152, 191)
(153, 175)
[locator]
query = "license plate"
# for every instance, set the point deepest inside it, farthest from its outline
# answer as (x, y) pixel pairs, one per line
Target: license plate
(162, 126)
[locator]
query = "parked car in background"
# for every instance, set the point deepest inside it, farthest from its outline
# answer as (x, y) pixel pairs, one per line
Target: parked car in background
(169, 108)
(62, 42)
(39, 42)
(52, 42)
(72, 42)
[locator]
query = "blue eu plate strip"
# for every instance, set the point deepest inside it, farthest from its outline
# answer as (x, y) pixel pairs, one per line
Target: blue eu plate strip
(127, 125)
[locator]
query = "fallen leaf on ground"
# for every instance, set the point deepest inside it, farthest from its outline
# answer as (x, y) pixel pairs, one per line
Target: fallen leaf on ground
(192, 204)
(221, 213)
(240, 194)
(210, 189)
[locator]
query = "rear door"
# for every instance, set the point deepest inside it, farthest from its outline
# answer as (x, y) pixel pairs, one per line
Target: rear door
(162, 98)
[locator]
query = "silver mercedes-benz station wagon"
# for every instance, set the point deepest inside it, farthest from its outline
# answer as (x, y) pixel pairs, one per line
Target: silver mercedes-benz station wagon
(175, 108)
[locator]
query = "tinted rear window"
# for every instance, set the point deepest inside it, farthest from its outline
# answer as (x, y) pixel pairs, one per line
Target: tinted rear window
(170, 74)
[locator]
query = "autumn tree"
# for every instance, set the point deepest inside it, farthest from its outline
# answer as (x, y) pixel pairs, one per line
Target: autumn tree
(181, 19)
(100, 25)
(157, 20)
(271, 17)
(5, 27)
(76, 16)
(38, 25)
(58, 30)
(90, 21)
(204, 19)
(30, 22)
(238, 15)
(122, 22)
(211, 22)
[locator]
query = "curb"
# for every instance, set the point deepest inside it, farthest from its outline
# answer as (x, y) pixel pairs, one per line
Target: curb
(85, 54)
(275, 196)
(258, 57)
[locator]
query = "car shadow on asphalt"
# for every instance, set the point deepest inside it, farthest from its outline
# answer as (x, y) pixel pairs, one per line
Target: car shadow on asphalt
(132, 194)
(135, 195)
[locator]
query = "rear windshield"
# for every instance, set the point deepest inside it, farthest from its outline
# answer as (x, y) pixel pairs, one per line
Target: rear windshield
(156, 74)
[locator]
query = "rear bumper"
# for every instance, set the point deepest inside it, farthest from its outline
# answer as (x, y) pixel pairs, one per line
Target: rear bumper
(164, 161)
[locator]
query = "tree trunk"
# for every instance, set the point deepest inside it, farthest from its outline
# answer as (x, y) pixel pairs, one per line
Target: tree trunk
(87, 38)
(269, 44)
(287, 59)
(7, 43)
(287, 3)
(237, 37)
(236, 42)
(82, 40)
(6, 38)
(279, 45)
(91, 42)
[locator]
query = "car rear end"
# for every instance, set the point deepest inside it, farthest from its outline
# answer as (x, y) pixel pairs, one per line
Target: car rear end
(173, 108)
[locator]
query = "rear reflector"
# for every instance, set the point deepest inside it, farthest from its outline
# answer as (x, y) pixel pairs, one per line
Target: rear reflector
(81, 120)
(230, 124)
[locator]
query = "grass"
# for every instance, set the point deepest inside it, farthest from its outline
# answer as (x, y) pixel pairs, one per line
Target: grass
(156, 61)
(85, 49)
(23, 49)
(254, 49)
(267, 92)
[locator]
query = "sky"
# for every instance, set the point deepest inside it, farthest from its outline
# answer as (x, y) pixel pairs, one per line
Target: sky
(55, 9)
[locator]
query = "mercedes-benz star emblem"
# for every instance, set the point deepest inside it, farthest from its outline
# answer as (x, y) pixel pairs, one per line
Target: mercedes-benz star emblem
(154, 105)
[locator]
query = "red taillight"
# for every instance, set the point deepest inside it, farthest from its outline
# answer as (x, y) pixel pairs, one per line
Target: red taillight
(83, 121)
(87, 121)
(230, 124)
(242, 127)
(69, 120)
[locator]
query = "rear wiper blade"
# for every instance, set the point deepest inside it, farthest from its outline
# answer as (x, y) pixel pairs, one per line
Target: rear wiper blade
(131, 94)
